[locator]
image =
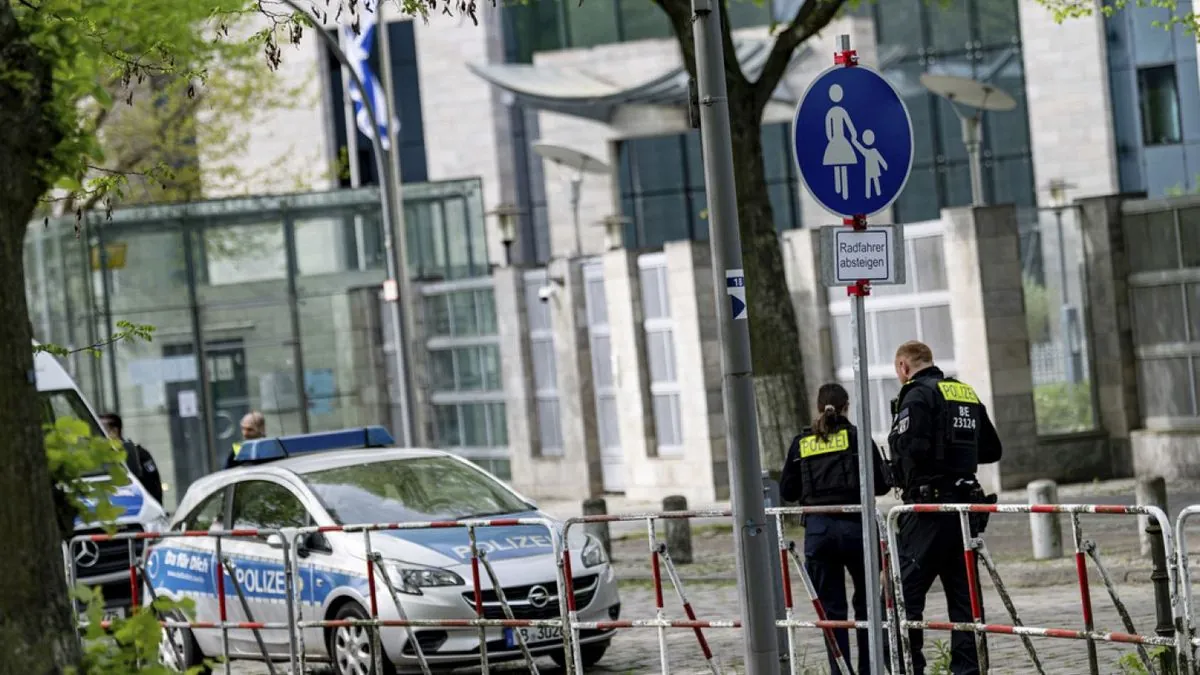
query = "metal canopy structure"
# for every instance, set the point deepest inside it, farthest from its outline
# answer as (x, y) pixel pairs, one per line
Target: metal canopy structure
(576, 91)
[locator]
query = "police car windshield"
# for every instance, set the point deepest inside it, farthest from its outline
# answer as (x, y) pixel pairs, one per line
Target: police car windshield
(423, 488)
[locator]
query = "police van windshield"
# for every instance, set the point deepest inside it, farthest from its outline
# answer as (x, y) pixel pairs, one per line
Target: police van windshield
(63, 403)
(424, 488)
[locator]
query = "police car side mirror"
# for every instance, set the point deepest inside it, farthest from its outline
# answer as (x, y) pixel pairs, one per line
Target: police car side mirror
(275, 541)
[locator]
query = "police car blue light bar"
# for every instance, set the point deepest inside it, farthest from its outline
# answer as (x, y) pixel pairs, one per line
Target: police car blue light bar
(264, 449)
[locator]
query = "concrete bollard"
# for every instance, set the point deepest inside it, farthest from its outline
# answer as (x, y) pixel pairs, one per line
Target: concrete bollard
(1150, 491)
(1046, 528)
(679, 530)
(596, 506)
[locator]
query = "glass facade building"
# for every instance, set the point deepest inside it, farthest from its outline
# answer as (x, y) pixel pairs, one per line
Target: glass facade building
(270, 304)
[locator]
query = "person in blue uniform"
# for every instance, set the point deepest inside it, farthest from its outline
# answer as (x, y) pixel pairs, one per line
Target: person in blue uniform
(940, 435)
(822, 469)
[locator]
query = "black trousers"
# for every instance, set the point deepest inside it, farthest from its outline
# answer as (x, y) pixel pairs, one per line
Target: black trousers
(931, 547)
(833, 548)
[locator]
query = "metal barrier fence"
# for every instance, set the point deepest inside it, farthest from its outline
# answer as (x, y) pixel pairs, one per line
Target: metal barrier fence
(375, 569)
(291, 543)
(1187, 630)
(974, 549)
(198, 562)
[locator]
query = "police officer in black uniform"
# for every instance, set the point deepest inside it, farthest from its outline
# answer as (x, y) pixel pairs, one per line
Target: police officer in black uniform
(822, 469)
(940, 433)
(138, 459)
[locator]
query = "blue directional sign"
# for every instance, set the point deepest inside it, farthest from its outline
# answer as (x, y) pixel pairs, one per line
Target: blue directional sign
(853, 141)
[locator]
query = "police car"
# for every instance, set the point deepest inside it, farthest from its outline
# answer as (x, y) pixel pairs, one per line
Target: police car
(354, 477)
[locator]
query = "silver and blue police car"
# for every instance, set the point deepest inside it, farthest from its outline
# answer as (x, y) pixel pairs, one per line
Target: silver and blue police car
(354, 477)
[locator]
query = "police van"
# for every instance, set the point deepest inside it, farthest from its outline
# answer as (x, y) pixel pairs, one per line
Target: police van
(351, 477)
(101, 564)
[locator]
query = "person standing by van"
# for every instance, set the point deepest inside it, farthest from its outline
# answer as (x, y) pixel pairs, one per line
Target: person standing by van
(822, 470)
(141, 463)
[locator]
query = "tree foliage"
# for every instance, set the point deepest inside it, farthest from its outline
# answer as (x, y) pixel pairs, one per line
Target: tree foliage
(1173, 17)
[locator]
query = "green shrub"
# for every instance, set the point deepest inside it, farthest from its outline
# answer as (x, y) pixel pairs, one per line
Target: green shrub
(1037, 310)
(1061, 407)
(128, 645)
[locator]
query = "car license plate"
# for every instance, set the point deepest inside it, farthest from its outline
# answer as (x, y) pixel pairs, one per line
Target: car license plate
(114, 614)
(531, 635)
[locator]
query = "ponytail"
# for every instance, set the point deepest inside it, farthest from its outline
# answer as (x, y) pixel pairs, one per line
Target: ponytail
(833, 400)
(824, 422)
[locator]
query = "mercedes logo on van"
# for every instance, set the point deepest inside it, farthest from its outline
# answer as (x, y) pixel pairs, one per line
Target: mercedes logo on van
(539, 597)
(88, 553)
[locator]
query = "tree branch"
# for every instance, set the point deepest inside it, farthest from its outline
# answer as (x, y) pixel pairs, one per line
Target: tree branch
(811, 17)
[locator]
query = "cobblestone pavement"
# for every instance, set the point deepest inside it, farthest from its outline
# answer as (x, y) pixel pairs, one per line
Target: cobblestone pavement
(636, 650)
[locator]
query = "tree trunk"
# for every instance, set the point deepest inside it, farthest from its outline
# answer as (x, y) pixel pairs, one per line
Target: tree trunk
(780, 389)
(36, 632)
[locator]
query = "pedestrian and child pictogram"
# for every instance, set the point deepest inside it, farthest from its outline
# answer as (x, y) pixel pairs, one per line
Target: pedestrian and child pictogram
(853, 141)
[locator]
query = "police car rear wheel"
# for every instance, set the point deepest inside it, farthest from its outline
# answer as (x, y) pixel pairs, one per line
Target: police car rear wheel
(350, 647)
(178, 650)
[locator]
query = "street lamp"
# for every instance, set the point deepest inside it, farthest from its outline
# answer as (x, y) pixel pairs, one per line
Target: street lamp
(614, 231)
(970, 94)
(581, 163)
(1068, 316)
(506, 218)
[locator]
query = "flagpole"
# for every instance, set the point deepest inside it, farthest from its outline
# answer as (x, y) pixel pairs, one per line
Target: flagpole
(351, 149)
(396, 183)
(395, 282)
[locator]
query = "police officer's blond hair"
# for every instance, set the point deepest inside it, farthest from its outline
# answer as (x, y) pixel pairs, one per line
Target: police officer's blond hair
(915, 353)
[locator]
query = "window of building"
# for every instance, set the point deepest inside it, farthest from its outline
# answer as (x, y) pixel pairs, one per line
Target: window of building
(549, 25)
(465, 387)
(608, 422)
(663, 192)
(978, 39)
(405, 104)
(1159, 100)
(917, 310)
(660, 353)
(444, 241)
(545, 364)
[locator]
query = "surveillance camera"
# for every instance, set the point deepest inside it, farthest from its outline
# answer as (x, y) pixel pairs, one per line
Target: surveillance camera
(547, 292)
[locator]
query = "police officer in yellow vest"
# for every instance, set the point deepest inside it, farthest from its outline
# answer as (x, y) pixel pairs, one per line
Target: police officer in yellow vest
(822, 469)
(940, 434)
(254, 425)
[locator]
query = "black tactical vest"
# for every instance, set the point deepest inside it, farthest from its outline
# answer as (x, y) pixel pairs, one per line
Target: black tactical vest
(957, 415)
(829, 467)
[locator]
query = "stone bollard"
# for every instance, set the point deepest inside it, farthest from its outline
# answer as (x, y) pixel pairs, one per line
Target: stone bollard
(1046, 528)
(679, 530)
(596, 506)
(1150, 491)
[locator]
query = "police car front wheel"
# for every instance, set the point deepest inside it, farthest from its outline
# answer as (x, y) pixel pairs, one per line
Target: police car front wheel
(350, 646)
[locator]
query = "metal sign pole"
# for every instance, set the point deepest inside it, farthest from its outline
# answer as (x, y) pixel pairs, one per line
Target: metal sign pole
(853, 145)
(866, 462)
(754, 548)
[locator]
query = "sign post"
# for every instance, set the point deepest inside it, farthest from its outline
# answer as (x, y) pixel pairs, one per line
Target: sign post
(853, 143)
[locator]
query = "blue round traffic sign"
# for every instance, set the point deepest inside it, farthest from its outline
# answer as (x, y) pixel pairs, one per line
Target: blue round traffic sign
(853, 141)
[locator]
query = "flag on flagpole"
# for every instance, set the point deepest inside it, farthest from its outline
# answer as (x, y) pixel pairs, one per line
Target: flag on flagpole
(358, 50)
